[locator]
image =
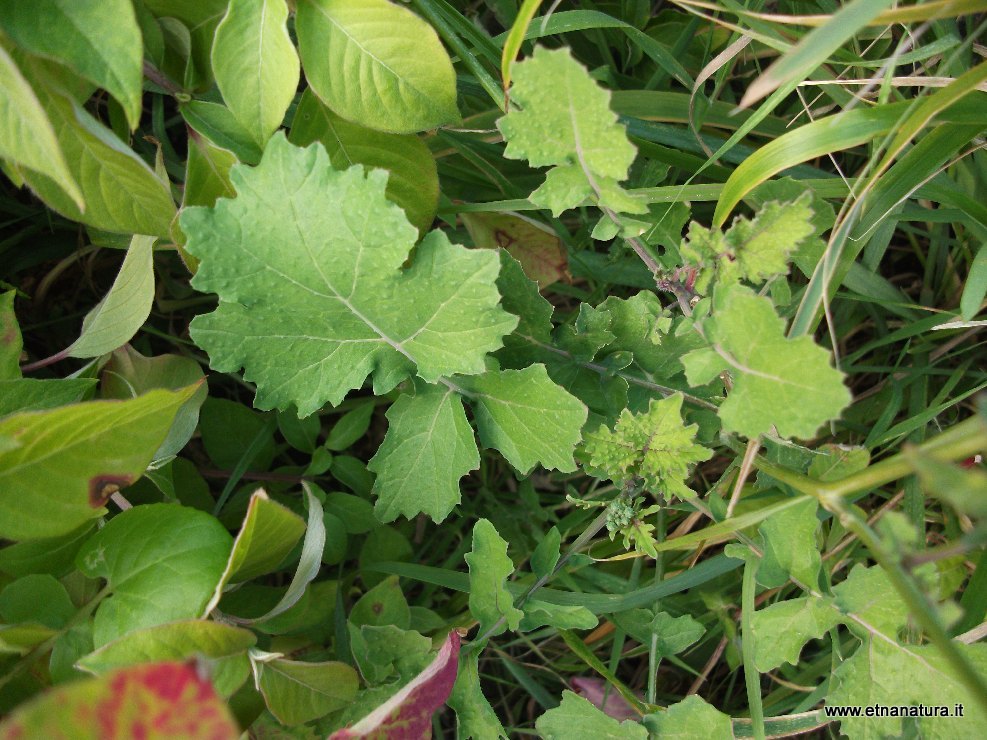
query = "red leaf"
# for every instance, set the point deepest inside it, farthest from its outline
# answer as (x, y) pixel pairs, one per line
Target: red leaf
(408, 714)
(155, 700)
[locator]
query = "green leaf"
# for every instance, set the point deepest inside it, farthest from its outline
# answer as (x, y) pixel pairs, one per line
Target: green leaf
(577, 719)
(122, 312)
(128, 373)
(782, 629)
(53, 470)
(31, 394)
(297, 692)
(536, 247)
(787, 384)
(309, 560)
(217, 123)
(383, 604)
(546, 554)
(351, 426)
(413, 181)
(255, 64)
(564, 617)
(526, 417)
(489, 569)
(901, 675)
(790, 548)
(689, 719)
(655, 446)
(172, 641)
(753, 249)
(475, 718)
(869, 594)
(975, 288)
(163, 699)
(428, 447)
(104, 169)
(229, 428)
(54, 555)
(100, 41)
(408, 713)
(11, 343)
(26, 135)
(207, 173)
(268, 533)
(377, 64)
(674, 634)
(162, 563)
(301, 290)
(565, 120)
(385, 651)
(37, 598)
(964, 490)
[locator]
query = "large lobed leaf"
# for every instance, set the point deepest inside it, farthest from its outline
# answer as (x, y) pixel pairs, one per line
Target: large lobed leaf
(307, 262)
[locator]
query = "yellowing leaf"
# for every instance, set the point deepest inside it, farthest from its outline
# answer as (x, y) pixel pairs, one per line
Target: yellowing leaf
(255, 64)
(377, 64)
(539, 250)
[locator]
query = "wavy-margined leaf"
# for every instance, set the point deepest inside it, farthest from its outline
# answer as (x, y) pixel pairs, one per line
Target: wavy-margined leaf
(490, 600)
(576, 719)
(255, 64)
(781, 630)
(377, 64)
(162, 563)
(783, 383)
(26, 136)
(414, 180)
(565, 120)
(475, 718)
(526, 417)
(100, 41)
(307, 264)
(688, 719)
(52, 467)
(154, 700)
(429, 446)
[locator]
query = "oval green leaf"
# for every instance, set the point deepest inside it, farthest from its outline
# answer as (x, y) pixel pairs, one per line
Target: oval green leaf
(376, 63)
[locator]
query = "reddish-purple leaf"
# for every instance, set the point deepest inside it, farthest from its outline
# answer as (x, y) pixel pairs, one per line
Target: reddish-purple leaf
(155, 700)
(408, 714)
(594, 690)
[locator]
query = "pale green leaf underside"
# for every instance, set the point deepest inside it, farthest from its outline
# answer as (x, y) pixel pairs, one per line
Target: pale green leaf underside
(26, 136)
(377, 64)
(122, 312)
(255, 64)
(429, 446)
(783, 383)
(307, 262)
(414, 179)
(790, 547)
(489, 568)
(99, 40)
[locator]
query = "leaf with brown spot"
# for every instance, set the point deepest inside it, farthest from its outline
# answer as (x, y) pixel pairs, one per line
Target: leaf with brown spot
(539, 250)
(64, 461)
